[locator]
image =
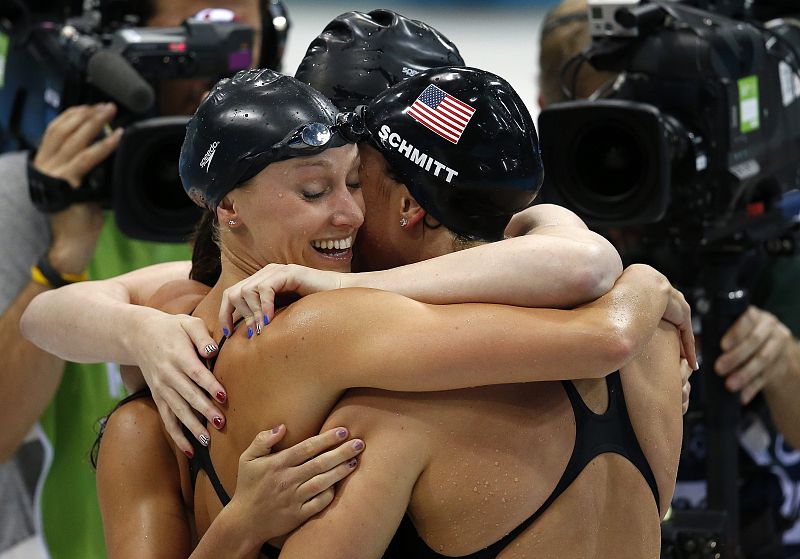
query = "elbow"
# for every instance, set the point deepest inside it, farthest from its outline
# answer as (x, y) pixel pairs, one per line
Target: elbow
(599, 271)
(620, 348)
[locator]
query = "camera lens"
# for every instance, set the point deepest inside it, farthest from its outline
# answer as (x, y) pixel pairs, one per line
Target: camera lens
(161, 185)
(612, 165)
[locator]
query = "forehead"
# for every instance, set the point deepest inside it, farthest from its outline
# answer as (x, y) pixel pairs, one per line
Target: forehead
(343, 159)
(168, 13)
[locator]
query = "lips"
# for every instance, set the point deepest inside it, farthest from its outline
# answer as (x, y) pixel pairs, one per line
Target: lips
(334, 248)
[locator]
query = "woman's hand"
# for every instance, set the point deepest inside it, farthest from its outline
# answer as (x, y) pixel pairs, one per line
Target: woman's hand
(679, 314)
(169, 348)
(254, 298)
(686, 386)
(276, 493)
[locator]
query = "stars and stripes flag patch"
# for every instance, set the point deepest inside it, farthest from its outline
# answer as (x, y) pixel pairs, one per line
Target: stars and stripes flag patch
(441, 113)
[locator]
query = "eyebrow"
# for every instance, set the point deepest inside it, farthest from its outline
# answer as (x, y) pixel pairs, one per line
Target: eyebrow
(314, 163)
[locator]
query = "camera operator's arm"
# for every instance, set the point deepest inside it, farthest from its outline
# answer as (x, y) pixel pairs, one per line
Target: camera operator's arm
(30, 376)
(760, 353)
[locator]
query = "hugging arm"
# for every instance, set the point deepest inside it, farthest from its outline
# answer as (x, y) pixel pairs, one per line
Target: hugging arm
(369, 506)
(443, 347)
(142, 501)
(553, 260)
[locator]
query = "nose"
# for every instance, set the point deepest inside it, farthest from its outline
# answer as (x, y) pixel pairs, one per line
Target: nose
(349, 210)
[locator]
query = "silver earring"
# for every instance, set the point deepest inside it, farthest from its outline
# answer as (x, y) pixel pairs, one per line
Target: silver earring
(403, 222)
(231, 222)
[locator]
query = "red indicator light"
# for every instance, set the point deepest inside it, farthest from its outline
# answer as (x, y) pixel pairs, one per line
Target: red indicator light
(755, 209)
(177, 47)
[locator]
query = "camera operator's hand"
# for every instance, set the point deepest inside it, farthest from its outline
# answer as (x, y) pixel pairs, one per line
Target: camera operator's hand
(67, 153)
(755, 353)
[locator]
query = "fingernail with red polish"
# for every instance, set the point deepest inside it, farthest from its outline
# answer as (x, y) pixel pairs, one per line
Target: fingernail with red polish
(217, 421)
(221, 397)
(189, 453)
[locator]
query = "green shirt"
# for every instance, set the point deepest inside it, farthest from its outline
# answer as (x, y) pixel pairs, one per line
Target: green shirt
(70, 512)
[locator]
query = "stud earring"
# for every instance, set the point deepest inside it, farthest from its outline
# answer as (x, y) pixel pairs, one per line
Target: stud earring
(403, 222)
(231, 222)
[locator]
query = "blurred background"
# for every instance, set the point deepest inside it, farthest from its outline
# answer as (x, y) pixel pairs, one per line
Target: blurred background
(499, 36)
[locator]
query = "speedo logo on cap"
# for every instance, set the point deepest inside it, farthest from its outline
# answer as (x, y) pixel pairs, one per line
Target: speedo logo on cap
(414, 155)
(441, 113)
(206, 161)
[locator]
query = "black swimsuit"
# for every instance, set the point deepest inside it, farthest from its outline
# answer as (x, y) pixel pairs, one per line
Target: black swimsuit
(595, 434)
(202, 461)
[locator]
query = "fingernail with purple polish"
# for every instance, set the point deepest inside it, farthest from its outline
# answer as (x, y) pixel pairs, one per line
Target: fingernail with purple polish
(358, 445)
(341, 433)
(352, 463)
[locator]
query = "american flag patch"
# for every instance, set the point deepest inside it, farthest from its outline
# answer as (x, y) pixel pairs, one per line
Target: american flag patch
(442, 113)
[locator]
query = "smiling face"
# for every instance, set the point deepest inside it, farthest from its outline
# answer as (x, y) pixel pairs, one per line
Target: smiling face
(304, 210)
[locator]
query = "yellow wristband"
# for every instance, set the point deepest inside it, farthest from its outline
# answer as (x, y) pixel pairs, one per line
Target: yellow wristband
(38, 277)
(44, 274)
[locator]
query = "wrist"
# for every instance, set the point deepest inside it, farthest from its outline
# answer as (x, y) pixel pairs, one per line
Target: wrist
(67, 261)
(45, 274)
(233, 527)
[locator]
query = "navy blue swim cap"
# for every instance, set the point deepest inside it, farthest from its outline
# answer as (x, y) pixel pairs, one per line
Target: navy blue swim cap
(463, 143)
(359, 55)
(256, 118)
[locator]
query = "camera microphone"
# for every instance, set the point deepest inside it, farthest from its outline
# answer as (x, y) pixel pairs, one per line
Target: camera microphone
(113, 75)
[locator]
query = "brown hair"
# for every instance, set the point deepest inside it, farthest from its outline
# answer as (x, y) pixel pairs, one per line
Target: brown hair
(206, 263)
(565, 32)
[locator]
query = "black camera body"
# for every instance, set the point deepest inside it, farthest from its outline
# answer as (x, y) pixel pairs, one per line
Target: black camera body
(701, 126)
(55, 61)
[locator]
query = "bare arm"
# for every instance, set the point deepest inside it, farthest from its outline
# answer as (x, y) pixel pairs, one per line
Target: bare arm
(142, 501)
(553, 261)
(29, 376)
(783, 395)
(369, 506)
(395, 343)
(98, 320)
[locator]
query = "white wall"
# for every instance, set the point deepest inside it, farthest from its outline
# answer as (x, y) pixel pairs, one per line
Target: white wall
(503, 40)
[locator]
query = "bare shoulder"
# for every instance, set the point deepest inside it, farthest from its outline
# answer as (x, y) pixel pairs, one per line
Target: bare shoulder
(178, 296)
(135, 418)
(134, 432)
(340, 304)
